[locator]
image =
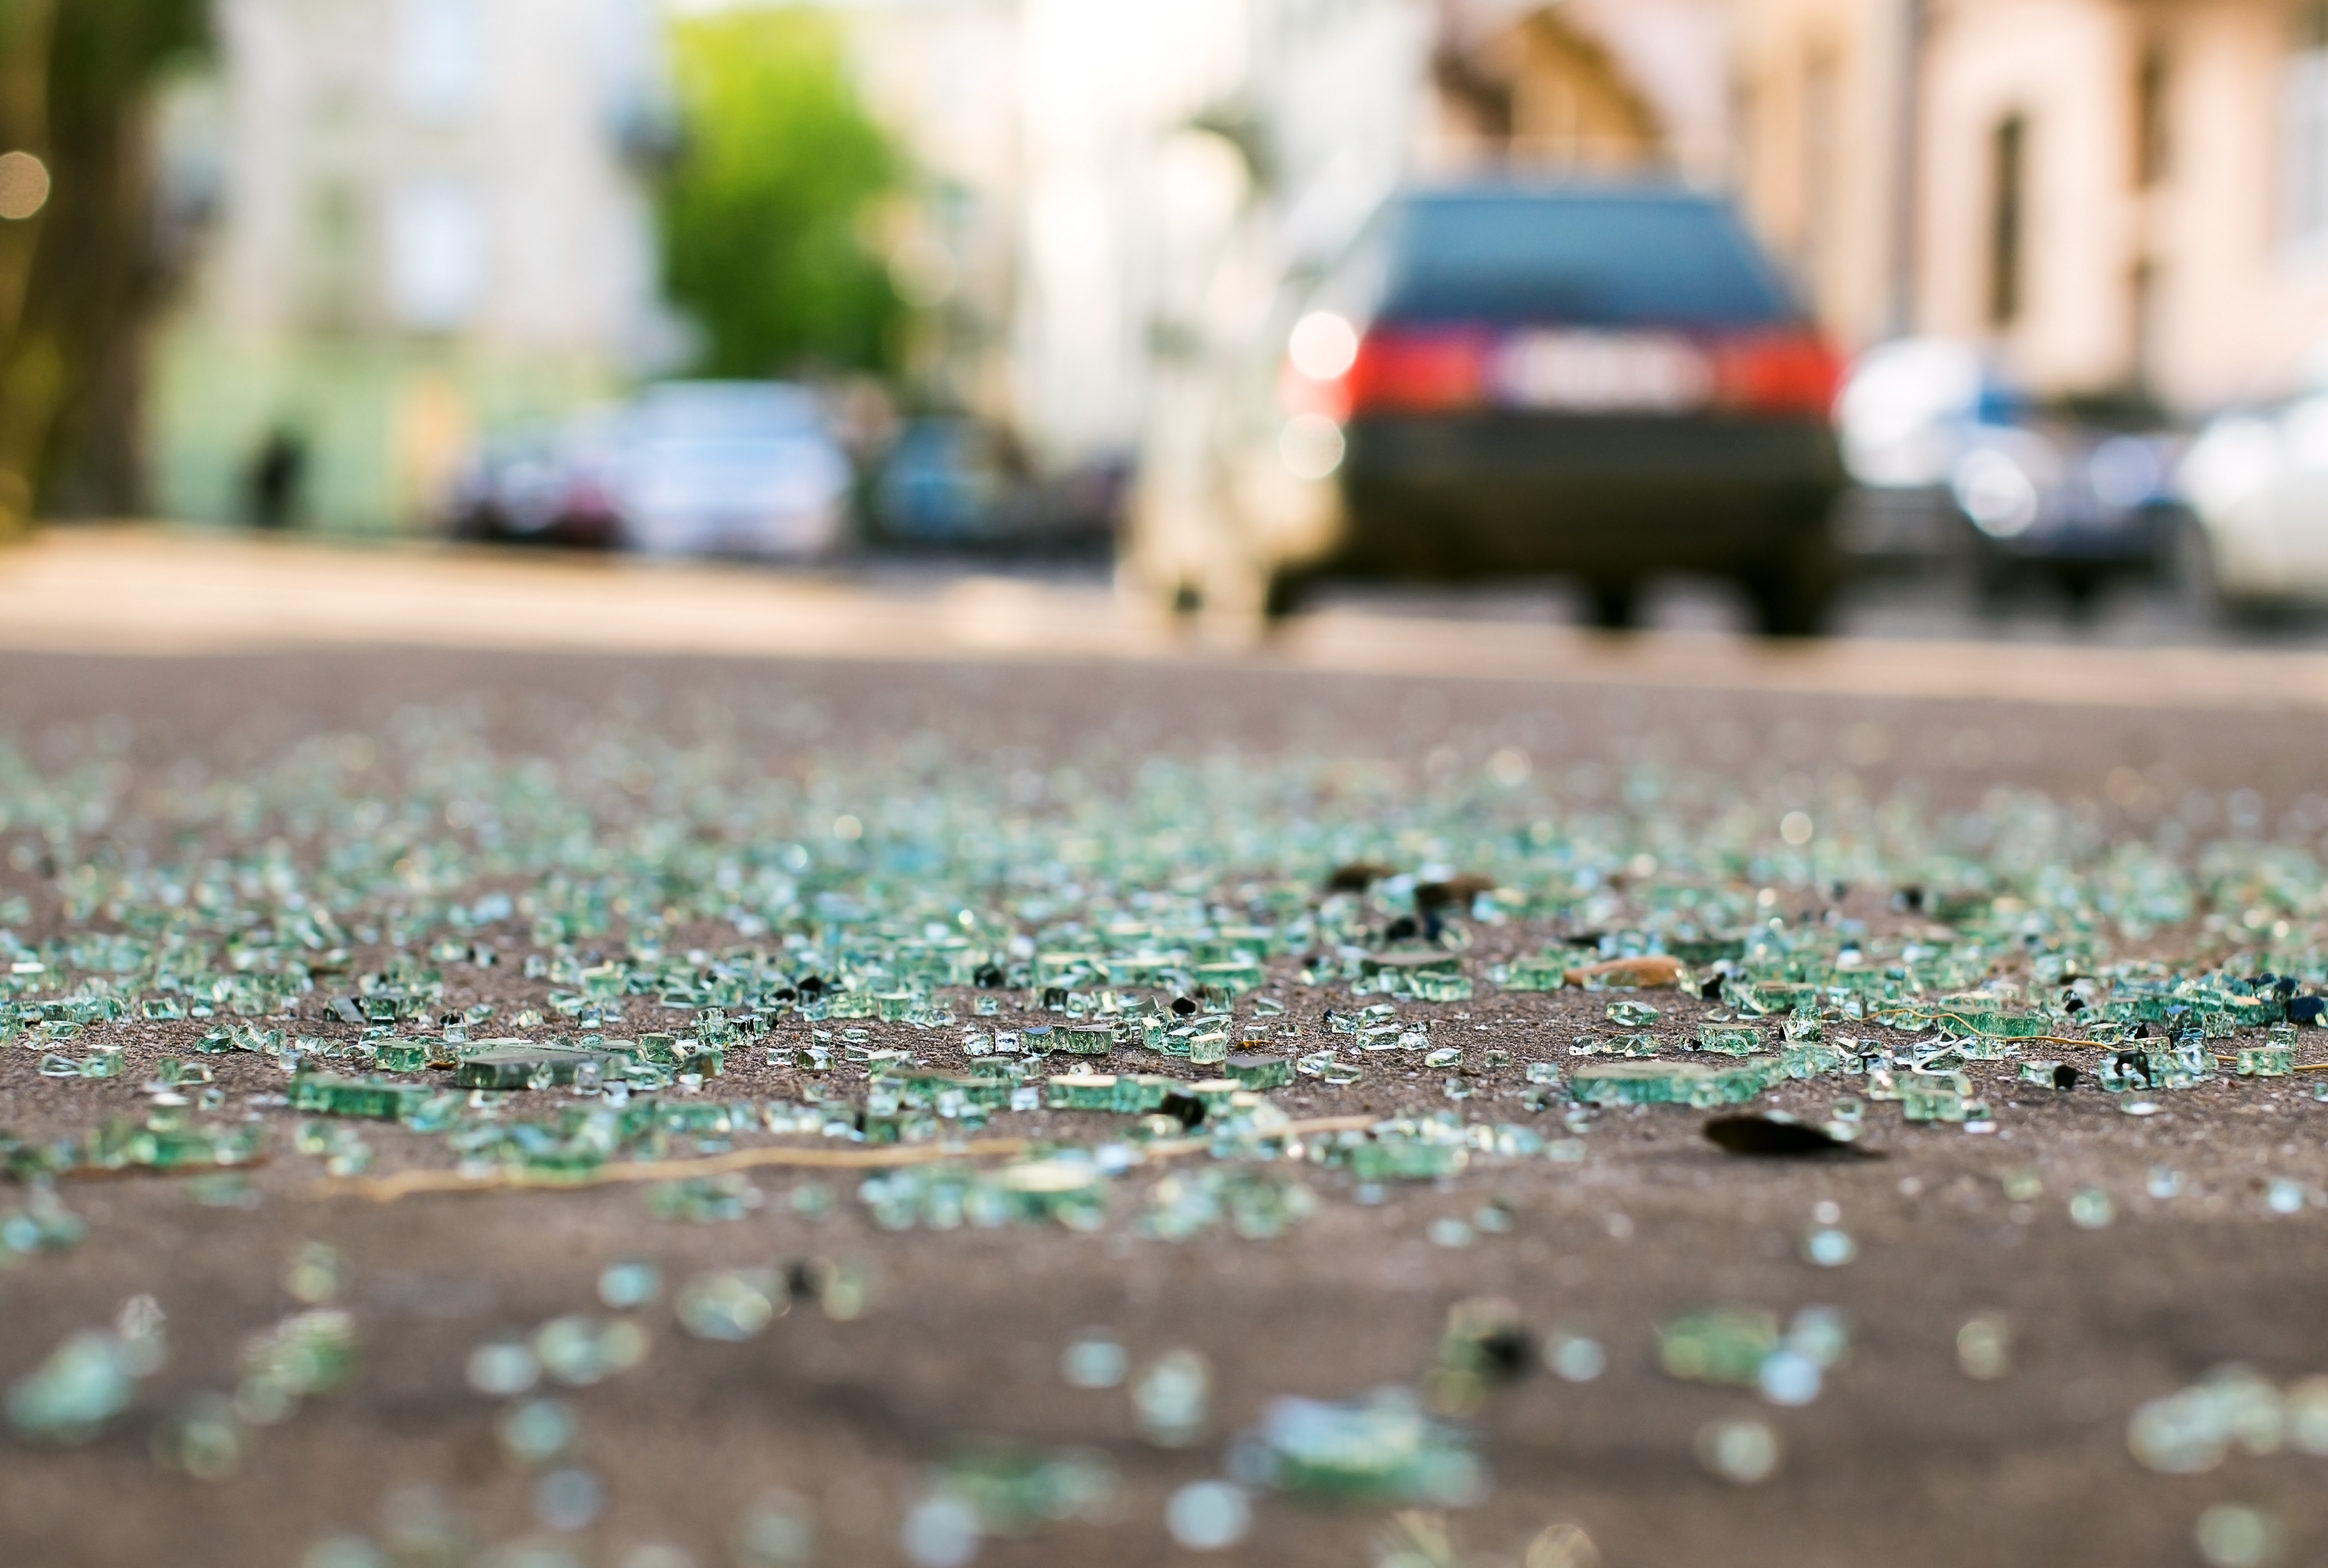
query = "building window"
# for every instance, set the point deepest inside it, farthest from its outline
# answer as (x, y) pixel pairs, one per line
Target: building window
(2008, 176)
(2304, 127)
(436, 255)
(440, 58)
(332, 255)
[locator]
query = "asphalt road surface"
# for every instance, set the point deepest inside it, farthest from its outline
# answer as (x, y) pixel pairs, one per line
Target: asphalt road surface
(1902, 1459)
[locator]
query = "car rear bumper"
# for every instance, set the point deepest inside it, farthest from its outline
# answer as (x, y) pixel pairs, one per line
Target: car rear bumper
(1480, 493)
(2141, 538)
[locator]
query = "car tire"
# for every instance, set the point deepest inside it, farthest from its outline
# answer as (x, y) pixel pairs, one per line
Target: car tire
(1794, 595)
(1995, 582)
(1282, 598)
(2081, 591)
(1613, 604)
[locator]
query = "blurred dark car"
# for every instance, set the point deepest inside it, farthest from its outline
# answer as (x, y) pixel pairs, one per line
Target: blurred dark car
(944, 480)
(963, 482)
(548, 487)
(1610, 382)
(1951, 460)
(689, 468)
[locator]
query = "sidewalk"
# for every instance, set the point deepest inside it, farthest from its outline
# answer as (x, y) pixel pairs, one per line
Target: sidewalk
(152, 591)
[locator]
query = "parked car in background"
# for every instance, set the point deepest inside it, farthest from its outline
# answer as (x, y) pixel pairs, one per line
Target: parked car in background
(955, 482)
(731, 468)
(946, 480)
(2257, 480)
(690, 468)
(1608, 383)
(548, 485)
(1950, 460)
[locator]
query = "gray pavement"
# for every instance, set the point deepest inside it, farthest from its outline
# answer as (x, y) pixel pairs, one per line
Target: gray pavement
(1903, 1459)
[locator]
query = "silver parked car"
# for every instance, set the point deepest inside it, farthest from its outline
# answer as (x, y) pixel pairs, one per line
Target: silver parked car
(735, 468)
(2258, 480)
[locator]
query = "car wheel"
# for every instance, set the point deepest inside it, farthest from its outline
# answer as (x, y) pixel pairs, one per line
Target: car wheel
(1994, 582)
(1793, 595)
(1283, 598)
(2081, 588)
(1614, 603)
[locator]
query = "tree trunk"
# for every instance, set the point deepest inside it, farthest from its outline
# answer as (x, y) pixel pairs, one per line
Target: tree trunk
(75, 84)
(26, 377)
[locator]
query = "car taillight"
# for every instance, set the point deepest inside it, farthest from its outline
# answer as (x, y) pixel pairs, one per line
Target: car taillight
(1330, 369)
(1789, 373)
(1333, 371)
(1419, 370)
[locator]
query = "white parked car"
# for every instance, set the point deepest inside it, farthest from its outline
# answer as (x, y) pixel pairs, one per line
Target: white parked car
(2257, 480)
(734, 468)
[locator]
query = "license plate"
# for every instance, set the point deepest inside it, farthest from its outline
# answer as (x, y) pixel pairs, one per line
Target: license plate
(1602, 372)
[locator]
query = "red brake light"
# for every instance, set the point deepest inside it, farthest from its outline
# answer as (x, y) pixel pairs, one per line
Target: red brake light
(1409, 370)
(1420, 370)
(1791, 373)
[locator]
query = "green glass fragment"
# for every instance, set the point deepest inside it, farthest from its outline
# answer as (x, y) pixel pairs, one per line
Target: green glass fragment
(1235, 978)
(1009, 1491)
(67, 1399)
(331, 1094)
(1086, 1039)
(1085, 1092)
(1730, 1039)
(1536, 974)
(2266, 1061)
(1432, 986)
(1632, 1047)
(531, 1067)
(1392, 1159)
(1694, 1084)
(1719, 1345)
(121, 1144)
(306, 1354)
(1993, 1024)
(1261, 1070)
(1409, 961)
(1921, 1100)
(1809, 1058)
(1385, 1450)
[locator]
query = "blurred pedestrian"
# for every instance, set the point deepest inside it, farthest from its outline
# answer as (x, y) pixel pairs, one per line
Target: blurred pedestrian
(278, 475)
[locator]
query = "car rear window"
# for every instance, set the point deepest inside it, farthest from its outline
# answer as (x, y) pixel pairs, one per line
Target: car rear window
(1589, 258)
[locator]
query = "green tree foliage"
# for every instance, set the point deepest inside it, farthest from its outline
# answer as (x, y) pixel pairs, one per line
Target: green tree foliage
(762, 215)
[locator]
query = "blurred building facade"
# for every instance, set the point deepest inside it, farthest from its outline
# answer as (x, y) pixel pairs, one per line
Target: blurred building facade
(424, 217)
(1112, 191)
(1097, 179)
(1584, 87)
(2121, 197)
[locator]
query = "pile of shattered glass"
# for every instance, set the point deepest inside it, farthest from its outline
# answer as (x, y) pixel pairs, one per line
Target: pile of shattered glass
(942, 960)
